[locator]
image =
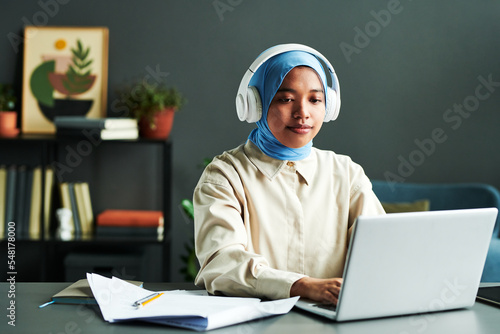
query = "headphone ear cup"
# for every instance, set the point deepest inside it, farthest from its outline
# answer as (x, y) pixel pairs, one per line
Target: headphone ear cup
(241, 107)
(254, 105)
(332, 105)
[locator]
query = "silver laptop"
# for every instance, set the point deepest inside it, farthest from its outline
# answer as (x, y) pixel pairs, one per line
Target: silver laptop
(404, 263)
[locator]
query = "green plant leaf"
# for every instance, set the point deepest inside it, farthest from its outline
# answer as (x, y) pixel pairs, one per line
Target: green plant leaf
(87, 63)
(187, 205)
(71, 71)
(7, 97)
(147, 99)
(76, 53)
(40, 85)
(78, 76)
(86, 53)
(86, 74)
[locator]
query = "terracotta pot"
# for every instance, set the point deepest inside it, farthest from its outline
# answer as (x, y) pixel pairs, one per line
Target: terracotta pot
(8, 124)
(8, 119)
(163, 121)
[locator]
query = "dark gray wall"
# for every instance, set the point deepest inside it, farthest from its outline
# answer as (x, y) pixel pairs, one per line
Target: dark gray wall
(405, 69)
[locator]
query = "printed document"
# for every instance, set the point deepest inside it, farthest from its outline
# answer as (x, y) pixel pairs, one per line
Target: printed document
(187, 309)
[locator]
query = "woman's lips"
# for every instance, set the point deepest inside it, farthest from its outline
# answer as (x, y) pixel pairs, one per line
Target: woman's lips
(300, 129)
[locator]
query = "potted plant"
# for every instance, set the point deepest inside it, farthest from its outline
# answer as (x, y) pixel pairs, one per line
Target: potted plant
(191, 266)
(154, 106)
(190, 269)
(8, 117)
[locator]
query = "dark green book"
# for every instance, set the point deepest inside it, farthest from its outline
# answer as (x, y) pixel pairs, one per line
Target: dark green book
(10, 196)
(19, 207)
(74, 209)
(78, 293)
(490, 295)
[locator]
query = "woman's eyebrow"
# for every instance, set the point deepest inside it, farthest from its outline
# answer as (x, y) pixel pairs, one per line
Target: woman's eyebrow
(317, 90)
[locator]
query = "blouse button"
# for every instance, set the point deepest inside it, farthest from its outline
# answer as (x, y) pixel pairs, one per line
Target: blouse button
(290, 163)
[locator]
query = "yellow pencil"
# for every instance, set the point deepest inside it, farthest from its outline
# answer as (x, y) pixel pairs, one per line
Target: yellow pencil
(148, 299)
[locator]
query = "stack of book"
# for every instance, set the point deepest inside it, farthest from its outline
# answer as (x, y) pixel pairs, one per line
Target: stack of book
(21, 200)
(130, 223)
(97, 128)
(75, 196)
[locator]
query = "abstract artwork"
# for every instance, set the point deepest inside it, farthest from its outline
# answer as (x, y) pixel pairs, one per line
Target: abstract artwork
(65, 74)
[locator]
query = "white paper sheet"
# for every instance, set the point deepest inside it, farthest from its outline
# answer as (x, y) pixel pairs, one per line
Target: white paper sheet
(188, 309)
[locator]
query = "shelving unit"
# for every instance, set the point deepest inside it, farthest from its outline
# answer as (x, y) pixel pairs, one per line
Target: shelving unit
(51, 259)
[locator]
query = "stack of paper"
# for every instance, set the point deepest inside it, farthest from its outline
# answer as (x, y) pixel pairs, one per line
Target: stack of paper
(186, 309)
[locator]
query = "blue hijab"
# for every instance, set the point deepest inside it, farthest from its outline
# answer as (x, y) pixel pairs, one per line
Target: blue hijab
(267, 79)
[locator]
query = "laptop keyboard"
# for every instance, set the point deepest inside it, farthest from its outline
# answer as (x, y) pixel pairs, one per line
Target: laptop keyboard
(330, 307)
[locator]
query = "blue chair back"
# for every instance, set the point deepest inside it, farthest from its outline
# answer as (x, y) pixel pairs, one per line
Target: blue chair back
(441, 196)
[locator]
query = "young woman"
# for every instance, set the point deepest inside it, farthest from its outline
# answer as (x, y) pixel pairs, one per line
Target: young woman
(273, 216)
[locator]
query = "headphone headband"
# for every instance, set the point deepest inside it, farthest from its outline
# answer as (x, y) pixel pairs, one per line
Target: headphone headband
(247, 97)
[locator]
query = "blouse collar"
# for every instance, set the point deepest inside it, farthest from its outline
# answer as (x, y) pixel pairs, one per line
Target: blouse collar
(271, 167)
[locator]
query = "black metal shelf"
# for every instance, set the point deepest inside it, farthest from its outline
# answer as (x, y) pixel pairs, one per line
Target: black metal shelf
(44, 148)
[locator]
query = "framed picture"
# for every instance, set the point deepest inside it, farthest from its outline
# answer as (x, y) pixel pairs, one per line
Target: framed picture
(65, 74)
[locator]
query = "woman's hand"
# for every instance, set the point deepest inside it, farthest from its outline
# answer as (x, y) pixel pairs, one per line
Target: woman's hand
(317, 289)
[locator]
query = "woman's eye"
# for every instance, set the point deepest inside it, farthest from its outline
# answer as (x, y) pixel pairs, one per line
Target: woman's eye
(285, 100)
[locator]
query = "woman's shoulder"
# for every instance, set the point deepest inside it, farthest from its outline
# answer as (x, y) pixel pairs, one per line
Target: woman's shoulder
(344, 168)
(229, 158)
(333, 157)
(341, 165)
(223, 167)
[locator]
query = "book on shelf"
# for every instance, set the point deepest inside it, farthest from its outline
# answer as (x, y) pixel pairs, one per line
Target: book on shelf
(36, 204)
(48, 192)
(74, 209)
(103, 134)
(99, 128)
(21, 204)
(126, 231)
(21, 200)
(66, 203)
(25, 217)
(75, 196)
(130, 218)
(82, 122)
(127, 223)
(3, 190)
(10, 195)
(84, 207)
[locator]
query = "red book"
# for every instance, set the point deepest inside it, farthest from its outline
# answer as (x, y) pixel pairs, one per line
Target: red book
(130, 218)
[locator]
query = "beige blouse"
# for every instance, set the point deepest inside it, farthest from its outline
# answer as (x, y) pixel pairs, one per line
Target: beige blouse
(261, 224)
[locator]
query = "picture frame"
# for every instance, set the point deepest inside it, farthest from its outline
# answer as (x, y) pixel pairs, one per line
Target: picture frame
(65, 73)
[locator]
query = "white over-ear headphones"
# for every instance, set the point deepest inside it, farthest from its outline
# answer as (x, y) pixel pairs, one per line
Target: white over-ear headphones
(248, 102)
